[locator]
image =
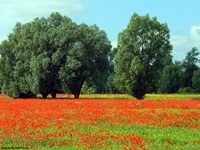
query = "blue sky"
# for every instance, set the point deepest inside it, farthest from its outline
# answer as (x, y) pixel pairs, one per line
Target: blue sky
(112, 16)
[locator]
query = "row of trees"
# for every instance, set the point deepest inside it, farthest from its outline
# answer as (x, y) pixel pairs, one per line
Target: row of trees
(53, 55)
(182, 77)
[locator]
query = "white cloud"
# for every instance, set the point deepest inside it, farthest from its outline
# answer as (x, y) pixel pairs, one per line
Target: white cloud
(179, 40)
(183, 44)
(195, 33)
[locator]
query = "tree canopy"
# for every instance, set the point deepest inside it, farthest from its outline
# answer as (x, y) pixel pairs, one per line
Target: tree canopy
(143, 51)
(86, 60)
(189, 65)
(170, 80)
(50, 55)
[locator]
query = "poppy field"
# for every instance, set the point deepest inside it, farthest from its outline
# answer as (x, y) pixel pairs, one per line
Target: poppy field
(100, 123)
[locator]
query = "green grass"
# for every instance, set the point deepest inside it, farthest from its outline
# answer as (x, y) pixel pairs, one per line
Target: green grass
(147, 96)
(154, 138)
(164, 138)
(126, 96)
(173, 96)
(107, 96)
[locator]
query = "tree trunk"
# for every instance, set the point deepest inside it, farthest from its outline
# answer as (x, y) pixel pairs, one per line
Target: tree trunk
(53, 94)
(31, 95)
(76, 90)
(139, 94)
(22, 95)
(44, 95)
(27, 95)
(76, 94)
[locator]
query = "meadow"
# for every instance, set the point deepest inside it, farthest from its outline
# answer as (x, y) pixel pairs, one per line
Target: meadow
(115, 122)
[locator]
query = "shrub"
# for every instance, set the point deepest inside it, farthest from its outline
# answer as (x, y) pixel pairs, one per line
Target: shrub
(186, 90)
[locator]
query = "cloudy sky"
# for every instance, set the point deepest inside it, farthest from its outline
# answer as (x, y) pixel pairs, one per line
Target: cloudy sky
(112, 16)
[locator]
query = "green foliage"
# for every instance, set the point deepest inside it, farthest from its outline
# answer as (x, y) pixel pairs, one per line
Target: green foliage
(86, 60)
(189, 66)
(7, 66)
(143, 50)
(186, 90)
(88, 89)
(179, 77)
(110, 87)
(51, 55)
(31, 47)
(196, 81)
(170, 80)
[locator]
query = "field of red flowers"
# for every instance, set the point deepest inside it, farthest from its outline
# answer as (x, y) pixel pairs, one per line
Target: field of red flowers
(99, 124)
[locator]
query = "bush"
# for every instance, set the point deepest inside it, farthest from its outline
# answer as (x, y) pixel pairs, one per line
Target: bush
(186, 90)
(87, 89)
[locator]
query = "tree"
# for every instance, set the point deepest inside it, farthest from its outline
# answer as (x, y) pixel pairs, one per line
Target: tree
(8, 61)
(196, 81)
(47, 55)
(189, 66)
(143, 51)
(86, 60)
(32, 47)
(170, 80)
(45, 64)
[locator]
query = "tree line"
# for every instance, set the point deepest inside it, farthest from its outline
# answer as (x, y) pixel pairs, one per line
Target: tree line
(181, 76)
(56, 55)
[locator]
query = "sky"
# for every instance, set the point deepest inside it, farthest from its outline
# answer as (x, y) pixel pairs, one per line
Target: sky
(112, 16)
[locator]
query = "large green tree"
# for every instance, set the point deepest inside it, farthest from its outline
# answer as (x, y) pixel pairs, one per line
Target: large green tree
(8, 62)
(143, 50)
(48, 55)
(86, 60)
(45, 64)
(32, 46)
